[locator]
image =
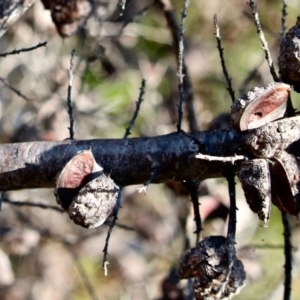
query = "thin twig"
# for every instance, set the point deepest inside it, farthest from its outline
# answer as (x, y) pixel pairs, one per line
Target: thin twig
(231, 159)
(154, 173)
(288, 256)
(221, 52)
(231, 229)
(180, 63)
(31, 204)
(232, 212)
(138, 105)
(193, 187)
(86, 282)
(14, 89)
(23, 50)
(263, 41)
(169, 14)
(114, 220)
(118, 202)
(283, 20)
(69, 99)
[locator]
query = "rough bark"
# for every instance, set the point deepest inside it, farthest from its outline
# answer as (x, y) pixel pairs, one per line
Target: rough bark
(11, 11)
(129, 161)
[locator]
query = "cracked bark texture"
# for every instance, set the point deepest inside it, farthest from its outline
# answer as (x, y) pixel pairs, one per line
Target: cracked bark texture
(128, 161)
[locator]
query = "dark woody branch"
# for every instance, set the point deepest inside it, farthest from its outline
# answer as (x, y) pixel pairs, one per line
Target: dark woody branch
(129, 161)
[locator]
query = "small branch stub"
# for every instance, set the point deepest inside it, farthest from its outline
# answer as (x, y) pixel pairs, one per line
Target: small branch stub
(85, 191)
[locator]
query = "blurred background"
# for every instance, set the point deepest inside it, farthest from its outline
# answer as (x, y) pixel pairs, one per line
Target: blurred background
(43, 255)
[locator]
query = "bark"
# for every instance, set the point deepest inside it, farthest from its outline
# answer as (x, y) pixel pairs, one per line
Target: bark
(11, 11)
(129, 161)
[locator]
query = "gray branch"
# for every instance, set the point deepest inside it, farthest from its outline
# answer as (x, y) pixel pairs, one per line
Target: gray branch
(129, 161)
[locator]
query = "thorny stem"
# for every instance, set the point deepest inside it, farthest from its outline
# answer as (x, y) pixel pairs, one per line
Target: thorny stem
(231, 229)
(193, 186)
(283, 20)
(221, 52)
(14, 89)
(69, 99)
(232, 212)
(263, 41)
(118, 202)
(138, 105)
(23, 49)
(288, 256)
(114, 220)
(27, 203)
(180, 64)
(168, 11)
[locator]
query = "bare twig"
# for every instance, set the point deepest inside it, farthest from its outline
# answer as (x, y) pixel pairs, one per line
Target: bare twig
(231, 159)
(232, 212)
(18, 51)
(263, 41)
(69, 99)
(180, 64)
(27, 203)
(288, 256)
(221, 52)
(14, 89)
(118, 203)
(115, 218)
(283, 20)
(168, 11)
(138, 105)
(231, 229)
(193, 186)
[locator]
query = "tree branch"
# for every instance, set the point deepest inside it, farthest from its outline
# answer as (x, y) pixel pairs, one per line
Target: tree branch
(11, 11)
(129, 161)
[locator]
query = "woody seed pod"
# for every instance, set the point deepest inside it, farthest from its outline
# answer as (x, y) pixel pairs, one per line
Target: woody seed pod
(289, 58)
(208, 264)
(259, 106)
(85, 191)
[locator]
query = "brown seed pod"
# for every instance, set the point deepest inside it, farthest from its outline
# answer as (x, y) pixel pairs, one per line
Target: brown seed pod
(69, 15)
(260, 106)
(256, 183)
(208, 264)
(285, 171)
(272, 138)
(74, 176)
(94, 202)
(85, 191)
(289, 57)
